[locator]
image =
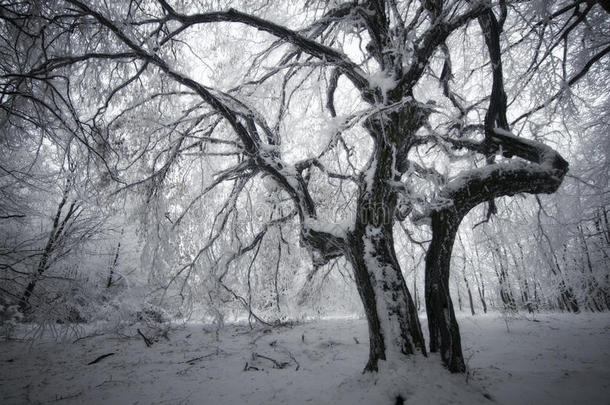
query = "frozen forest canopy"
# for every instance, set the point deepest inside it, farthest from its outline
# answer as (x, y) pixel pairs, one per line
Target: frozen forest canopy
(277, 161)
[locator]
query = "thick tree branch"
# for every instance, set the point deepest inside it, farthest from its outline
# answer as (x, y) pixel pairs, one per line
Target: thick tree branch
(544, 173)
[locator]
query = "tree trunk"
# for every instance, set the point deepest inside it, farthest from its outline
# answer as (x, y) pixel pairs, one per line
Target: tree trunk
(54, 239)
(525, 296)
(523, 283)
(444, 329)
(393, 323)
(470, 301)
(481, 289)
(115, 261)
(415, 293)
(459, 294)
(567, 298)
(394, 328)
(506, 293)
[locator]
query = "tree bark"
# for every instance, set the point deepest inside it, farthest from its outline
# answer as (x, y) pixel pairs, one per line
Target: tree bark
(54, 239)
(442, 325)
(481, 289)
(393, 323)
(115, 261)
(470, 300)
(506, 292)
(480, 284)
(394, 326)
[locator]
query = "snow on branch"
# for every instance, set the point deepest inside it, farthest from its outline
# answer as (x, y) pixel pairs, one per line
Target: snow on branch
(352, 71)
(540, 169)
(326, 240)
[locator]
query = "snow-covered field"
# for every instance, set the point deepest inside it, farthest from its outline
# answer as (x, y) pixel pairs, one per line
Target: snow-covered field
(553, 359)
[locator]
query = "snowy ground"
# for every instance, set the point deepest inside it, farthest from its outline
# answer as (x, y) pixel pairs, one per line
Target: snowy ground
(554, 359)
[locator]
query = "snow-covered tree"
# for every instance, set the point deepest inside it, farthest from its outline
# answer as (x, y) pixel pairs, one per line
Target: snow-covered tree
(344, 118)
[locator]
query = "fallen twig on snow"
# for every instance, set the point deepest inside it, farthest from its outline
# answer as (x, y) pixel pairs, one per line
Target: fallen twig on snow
(62, 397)
(248, 368)
(276, 363)
(103, 356)
(293, 359)
(87, 337)
(146, 340)
(192, 361)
